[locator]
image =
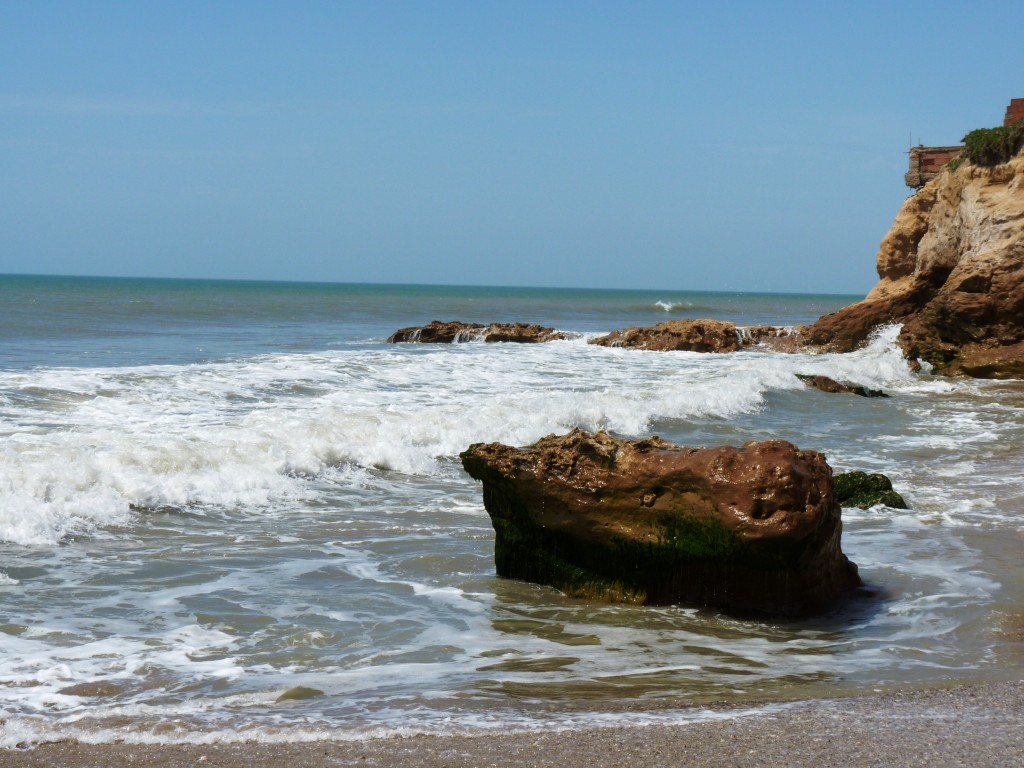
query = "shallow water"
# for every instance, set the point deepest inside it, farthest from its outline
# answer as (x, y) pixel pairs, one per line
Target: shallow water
(232, 509)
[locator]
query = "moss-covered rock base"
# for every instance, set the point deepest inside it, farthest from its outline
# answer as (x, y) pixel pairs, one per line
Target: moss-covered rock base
(859, 489)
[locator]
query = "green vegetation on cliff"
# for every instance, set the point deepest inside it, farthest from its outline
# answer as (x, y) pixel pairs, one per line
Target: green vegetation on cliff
(992, 146)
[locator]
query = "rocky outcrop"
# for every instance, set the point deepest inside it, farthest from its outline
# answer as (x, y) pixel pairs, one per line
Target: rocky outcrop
(677, 335)
(454, 332)
(691, 336)
(748, 530)
(859, 489)
(951, 271)
(826, 384)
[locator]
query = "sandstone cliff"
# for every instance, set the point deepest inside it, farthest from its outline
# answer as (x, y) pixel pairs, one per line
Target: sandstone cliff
(951, 270)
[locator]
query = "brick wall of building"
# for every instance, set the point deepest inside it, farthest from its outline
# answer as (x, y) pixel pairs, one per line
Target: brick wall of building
(1014, 112)
(927, 162)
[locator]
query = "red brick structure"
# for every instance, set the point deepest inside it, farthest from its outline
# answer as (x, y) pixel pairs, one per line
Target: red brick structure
(1014, 112)
(927, 162)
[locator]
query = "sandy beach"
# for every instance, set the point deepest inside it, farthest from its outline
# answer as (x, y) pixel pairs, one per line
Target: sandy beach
(976, 726)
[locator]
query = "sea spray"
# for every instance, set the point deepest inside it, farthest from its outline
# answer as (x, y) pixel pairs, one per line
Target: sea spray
(252, 432)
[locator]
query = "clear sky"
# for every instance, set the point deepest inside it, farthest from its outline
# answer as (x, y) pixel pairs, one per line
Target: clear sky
(711, 146)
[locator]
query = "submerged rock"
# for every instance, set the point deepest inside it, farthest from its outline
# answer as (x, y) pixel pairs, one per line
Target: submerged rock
(454, 332)
(300, 693)
(748, 530)
(825, 384)
(859, 489)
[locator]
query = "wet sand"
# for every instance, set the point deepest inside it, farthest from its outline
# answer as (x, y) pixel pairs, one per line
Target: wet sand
(977, 726)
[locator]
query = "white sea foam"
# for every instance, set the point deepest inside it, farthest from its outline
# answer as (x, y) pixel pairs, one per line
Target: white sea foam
(671, 306)
(28, 731)
(251, 433)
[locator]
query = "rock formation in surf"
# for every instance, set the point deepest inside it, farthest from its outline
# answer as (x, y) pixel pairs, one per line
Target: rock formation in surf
(951, 271)
(859, 489)
(454, 332)
(690, 336)
(753, 530)
(826, 384)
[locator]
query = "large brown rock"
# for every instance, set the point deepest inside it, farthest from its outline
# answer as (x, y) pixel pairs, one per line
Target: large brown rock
(453, 332)
(691, 336)
(951, 271)
(749, 530)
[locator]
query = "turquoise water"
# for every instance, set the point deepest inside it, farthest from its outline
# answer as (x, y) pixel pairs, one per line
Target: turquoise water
(230, 510)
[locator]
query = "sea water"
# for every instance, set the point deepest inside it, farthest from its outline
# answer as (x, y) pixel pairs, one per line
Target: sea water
(230, 510)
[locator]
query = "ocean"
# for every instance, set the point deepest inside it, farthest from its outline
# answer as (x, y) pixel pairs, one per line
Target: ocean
(231, 511)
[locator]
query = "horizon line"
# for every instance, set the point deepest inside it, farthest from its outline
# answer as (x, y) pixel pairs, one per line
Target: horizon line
(4, 275)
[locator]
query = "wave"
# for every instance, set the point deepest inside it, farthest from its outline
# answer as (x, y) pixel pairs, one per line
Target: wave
(90, 447)
(670, 306)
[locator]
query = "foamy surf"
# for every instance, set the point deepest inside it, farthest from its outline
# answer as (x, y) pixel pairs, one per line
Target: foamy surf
(254, 432)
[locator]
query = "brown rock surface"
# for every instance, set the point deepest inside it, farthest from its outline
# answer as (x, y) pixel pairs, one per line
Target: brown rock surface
(677, 335)
(454, 332)
(951, 270)
(749, 530)
(826, 384)
(695, 336)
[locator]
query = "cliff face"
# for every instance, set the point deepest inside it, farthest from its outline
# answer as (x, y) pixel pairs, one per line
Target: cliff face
(951, 270)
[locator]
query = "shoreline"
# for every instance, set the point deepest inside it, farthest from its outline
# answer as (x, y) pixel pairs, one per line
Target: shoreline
(976, 725)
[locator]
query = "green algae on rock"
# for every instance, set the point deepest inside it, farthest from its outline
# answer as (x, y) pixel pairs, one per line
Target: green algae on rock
(859, 489)
(753, 530)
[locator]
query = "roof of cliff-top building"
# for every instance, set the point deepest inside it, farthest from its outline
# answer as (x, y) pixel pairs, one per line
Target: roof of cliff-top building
(927, 162)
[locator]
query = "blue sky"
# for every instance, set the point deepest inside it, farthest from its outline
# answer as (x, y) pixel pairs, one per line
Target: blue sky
(746, 146)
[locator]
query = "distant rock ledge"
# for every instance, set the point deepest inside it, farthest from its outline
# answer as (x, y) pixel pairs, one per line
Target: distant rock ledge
(753, 530)
(692, 336)
(456, 332)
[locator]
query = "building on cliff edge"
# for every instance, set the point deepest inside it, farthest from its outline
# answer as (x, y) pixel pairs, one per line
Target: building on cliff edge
(927, 162)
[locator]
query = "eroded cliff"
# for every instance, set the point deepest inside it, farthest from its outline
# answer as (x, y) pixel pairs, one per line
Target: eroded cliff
(951, 270)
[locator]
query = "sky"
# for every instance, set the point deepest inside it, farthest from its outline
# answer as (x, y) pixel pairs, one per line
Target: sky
(733, 146)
